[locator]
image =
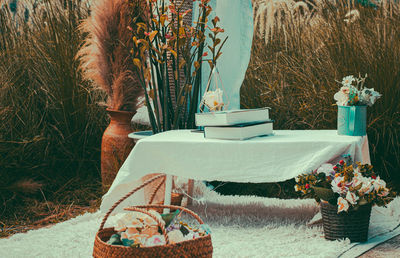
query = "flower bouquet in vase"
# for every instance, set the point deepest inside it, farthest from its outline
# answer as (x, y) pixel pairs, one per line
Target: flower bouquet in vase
(352, 101)
(346, 193)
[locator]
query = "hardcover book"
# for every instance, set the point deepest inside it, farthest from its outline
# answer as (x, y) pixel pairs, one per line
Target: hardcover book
(239, 132)
(232, 117)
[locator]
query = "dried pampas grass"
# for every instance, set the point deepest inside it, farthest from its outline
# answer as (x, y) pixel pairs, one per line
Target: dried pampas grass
(105, 56)
(26, 186)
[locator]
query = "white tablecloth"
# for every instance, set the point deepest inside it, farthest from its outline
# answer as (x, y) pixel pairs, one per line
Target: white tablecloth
(275, 158)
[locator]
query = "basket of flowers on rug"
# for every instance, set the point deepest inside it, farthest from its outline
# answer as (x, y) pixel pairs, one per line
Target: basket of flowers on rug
(346, 192)
(143, 232)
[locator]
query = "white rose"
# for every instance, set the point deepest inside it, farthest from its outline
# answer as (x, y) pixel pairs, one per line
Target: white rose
(213, 99)
(175, 236)
(352, 198)
(337, 185)
(341, 98)
(378, 183)
(367, 186)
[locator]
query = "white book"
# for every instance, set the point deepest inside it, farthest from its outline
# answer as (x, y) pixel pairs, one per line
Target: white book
(239, 132)
(232, 117)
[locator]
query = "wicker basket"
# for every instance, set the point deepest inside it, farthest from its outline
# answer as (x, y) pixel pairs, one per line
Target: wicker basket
(353, 224)
(176, 198)
(199, 247)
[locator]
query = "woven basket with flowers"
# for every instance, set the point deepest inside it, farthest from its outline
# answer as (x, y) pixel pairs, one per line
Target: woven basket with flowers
(346, 192)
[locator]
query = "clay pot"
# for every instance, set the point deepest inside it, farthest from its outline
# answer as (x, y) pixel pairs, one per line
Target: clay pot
(115, 145)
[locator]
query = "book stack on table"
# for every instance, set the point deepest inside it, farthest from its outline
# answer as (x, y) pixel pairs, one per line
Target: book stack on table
(235, 124)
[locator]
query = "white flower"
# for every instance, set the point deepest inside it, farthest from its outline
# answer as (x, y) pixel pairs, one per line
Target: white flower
(367, 186)
(357, 179)
(369, 96)
(352, 198)
(348, 80)
(213, 100)
(296, 188)
(342, 96)
(175, 236)
(343, 205)
(337, 185)
(326, 168)
(378, 183)
(297, 179)
(126, 220)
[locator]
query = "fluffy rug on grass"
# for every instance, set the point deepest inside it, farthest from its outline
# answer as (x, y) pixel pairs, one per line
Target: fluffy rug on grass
(242, 226)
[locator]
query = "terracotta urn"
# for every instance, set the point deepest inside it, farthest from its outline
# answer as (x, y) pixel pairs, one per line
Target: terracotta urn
(115, 145)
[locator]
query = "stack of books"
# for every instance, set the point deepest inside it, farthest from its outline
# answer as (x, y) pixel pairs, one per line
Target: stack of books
(235, 124)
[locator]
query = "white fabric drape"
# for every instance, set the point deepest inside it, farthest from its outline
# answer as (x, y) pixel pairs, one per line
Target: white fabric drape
(236, 18)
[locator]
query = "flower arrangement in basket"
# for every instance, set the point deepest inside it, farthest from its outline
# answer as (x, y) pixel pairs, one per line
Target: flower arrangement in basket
(346, 192)
(352, 101)
(143, 232)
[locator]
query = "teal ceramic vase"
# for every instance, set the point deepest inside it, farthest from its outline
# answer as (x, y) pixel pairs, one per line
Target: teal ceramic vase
(352, 120)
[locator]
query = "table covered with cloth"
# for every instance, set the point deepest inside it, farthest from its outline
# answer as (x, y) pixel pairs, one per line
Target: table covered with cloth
(275, 158)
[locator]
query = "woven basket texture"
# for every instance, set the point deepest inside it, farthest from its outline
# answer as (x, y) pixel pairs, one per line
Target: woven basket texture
(199, 247)
(353, 224)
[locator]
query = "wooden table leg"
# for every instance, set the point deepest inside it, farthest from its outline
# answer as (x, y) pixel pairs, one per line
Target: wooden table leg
(190, 191)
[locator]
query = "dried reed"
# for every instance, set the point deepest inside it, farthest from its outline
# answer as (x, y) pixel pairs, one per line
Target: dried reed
(296, 72)
(105, 56)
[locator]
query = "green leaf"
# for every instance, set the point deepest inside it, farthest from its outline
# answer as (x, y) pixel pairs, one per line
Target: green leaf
(169, 217)
(324, 193)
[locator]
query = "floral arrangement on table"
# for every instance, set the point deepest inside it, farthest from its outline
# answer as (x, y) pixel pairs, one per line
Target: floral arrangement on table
(346, 185)
(137, 229)
(168, 53)
(353, 92)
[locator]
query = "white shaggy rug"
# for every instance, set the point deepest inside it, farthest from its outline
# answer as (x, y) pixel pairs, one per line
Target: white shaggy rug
(242, 226)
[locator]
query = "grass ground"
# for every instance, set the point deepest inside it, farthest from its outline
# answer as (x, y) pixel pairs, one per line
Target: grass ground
(76, 197)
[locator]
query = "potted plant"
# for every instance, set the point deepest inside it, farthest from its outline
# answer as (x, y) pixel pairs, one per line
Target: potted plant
(346, 193)
(168, 53)
(352, 101)
(105, 60)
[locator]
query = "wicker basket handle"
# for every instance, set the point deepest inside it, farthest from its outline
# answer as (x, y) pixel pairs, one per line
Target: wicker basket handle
(141, 208)
(194, 215)
(126, 196)
(159, 223)
(153, 195)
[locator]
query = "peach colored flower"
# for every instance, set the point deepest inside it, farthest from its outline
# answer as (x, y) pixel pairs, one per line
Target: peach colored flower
(343, 205)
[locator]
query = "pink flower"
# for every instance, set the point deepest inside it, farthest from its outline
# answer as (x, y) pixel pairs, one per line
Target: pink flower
(307, 186)
(341, 162)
